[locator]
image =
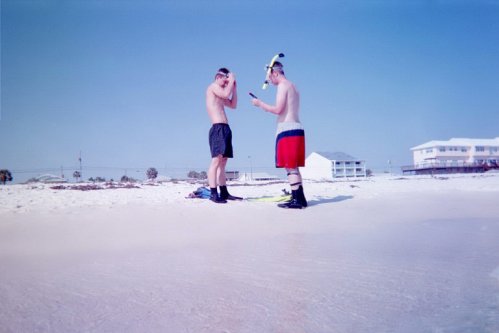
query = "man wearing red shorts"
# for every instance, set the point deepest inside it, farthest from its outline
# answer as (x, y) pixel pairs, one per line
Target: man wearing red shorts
(290, 136)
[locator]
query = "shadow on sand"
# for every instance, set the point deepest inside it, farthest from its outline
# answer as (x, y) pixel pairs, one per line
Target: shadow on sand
(321, 201)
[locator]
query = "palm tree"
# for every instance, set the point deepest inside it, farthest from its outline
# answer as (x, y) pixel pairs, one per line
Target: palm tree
(197, 175)
(152, 173)
(77, 175)
(193, 174)
(5, 176)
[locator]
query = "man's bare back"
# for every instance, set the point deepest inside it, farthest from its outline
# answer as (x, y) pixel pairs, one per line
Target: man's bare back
(287, 105)
(291, 100)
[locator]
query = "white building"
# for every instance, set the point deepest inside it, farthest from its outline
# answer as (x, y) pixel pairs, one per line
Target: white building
(329, 166)
(257, 176)
(49, 179)
(456, 155)
(457, 151)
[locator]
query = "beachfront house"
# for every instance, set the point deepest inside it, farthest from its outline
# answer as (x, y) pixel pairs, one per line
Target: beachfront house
(457, 155)
(329, 166)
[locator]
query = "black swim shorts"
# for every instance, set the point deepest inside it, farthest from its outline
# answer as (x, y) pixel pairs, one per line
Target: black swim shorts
(221, 140)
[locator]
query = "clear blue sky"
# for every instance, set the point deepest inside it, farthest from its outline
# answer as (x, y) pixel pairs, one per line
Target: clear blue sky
(124, 81)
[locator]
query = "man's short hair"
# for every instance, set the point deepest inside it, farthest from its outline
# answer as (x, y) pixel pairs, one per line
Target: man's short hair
(222, 72)
(278, 67)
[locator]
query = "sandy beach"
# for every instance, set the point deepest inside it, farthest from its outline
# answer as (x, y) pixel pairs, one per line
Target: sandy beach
(386, 254)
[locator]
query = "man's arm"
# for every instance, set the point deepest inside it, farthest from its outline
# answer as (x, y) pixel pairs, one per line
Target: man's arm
(280, 104)
(232, 103)
(224, 92)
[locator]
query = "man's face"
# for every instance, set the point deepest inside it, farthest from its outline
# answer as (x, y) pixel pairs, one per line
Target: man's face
(222, 80)
(272, 78)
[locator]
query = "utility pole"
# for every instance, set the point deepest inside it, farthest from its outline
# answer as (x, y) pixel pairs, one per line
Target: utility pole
(79, 159)
(251, 167)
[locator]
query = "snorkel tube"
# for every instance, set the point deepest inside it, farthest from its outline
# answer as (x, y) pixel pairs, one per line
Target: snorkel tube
(269, 69)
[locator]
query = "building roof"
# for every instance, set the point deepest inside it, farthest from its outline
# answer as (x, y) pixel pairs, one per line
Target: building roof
(47, 178)
(244, 176)
(464, 142)
(337, 156)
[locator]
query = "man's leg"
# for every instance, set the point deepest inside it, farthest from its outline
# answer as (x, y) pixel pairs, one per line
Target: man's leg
(222, 182)
(212, 178)
(298, 199)
(294, 178)
(221, 171)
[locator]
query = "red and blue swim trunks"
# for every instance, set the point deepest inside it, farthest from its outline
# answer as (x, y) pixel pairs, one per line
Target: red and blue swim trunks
(290, 145)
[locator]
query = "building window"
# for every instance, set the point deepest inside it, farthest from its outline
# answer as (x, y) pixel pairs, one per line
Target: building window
(464, 150)
(441, 149)
(479, 149)
(429, 150)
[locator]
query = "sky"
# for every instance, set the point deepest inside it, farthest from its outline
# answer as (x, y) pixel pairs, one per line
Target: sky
(123, 82)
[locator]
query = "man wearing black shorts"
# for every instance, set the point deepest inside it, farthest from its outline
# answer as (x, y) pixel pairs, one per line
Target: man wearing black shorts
(219, 94)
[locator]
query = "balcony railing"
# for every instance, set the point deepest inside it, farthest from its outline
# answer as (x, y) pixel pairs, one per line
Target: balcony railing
(453, 166)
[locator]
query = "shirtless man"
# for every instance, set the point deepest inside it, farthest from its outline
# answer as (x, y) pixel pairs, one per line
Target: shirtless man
(221, 93)
(290, 136)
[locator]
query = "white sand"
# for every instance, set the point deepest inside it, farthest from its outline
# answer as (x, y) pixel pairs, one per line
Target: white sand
(418, 254)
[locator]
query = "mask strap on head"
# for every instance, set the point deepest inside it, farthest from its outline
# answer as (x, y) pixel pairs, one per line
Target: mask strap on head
(267, 67)
(226, 75)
